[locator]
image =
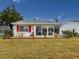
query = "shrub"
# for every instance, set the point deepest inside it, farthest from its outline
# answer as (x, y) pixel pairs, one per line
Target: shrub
(7, 34)
(68, 34)
(76, 34)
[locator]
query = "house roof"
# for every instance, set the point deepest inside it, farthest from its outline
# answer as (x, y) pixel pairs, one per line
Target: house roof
(36, 22)
(72, 20)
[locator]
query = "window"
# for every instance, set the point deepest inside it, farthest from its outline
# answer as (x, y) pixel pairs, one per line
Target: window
(44, 31)
(23, 28)
(41, 30)
(57, 30)
(50, 31)
(38, 30)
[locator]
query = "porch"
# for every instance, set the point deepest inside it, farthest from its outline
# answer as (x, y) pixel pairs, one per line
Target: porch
(46, 31)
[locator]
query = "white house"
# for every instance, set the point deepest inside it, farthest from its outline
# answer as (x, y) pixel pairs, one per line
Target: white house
(71, 25)
(36, 28)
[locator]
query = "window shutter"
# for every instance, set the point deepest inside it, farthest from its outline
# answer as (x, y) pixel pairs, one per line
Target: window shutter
(18, 28)
(29, 28)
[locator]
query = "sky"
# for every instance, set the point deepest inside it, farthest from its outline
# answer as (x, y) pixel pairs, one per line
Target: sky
(45, 9)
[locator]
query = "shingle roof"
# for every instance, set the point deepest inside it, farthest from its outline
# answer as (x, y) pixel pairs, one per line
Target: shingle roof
(35, 22)
(72, 20)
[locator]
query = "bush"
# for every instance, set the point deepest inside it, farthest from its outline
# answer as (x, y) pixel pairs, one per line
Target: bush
(7, 34)
(76, 34)
(68, 34)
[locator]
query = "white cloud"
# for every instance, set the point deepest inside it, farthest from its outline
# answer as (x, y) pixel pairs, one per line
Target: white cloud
(16, 0)
(59, 17)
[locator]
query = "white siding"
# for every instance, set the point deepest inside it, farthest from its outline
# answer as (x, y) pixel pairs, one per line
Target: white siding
(70, 26)
(24, 34)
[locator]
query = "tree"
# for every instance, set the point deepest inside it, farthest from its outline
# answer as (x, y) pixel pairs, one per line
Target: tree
(9, 15)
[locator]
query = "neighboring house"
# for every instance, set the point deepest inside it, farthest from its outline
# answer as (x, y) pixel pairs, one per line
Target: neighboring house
(2, 29)
(36, 28)
(71, 25)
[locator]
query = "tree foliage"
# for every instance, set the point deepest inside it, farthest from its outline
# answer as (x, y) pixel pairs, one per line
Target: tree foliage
(9, 15)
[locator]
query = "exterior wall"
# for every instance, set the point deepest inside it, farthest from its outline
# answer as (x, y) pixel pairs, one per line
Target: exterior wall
(24, 34)
(70, 26)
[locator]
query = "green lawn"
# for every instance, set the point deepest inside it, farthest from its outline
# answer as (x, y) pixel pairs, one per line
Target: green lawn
(39, 49)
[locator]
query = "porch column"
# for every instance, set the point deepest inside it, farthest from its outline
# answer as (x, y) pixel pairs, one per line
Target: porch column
(14, 31)
(34, 31)
(47, 30)
(53, 30)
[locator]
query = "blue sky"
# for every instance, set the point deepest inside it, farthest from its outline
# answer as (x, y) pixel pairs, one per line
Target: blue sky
(45, 9)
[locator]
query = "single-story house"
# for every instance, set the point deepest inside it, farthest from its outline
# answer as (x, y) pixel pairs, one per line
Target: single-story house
(36, 28)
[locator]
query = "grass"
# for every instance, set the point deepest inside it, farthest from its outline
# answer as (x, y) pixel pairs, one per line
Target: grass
(39, 49)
